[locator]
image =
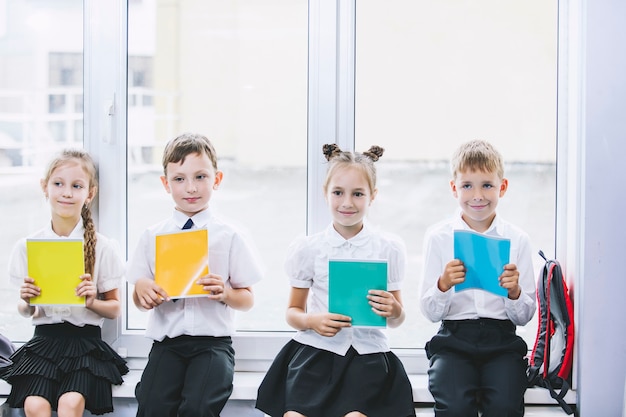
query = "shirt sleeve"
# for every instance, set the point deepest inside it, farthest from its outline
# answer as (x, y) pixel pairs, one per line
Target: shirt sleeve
(521, 311)
(111, 266)
(434, 303)
(139, 266)
(300, 263)
(18, 263)
(397, 264)
(246, 267)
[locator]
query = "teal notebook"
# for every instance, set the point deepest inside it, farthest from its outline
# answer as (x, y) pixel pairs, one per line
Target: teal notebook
(349, 281)
(484, 258)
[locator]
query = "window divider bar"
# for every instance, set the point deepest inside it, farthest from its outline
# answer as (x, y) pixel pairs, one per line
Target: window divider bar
(330, 94)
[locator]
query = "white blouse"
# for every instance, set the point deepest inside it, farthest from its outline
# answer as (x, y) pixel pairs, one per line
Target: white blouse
(307, 267)
(108, 274)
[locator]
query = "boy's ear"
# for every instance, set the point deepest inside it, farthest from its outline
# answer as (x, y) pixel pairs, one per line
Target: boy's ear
(453, 187)
(504, 185)
(165, 183)
(218, 179)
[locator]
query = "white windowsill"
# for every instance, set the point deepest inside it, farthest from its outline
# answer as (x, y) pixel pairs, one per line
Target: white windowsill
(246, 384)
(253, 359)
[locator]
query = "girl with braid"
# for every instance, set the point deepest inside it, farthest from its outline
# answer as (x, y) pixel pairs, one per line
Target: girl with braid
(66, 366)
(329, 368)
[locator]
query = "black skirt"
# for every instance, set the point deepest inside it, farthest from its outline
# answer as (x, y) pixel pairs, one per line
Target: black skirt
(64, 358)
(319, 383)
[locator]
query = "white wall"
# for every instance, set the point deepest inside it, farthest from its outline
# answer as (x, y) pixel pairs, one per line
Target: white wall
(601, 338)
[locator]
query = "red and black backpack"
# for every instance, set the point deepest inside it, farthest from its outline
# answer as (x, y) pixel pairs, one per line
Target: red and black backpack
(550, 363)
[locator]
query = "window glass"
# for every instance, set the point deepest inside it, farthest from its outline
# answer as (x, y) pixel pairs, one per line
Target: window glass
(237, 73)
(41, 111)
(431, 75)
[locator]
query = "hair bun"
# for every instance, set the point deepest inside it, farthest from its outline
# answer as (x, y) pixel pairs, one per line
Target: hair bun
(374, 152)
(330, 150)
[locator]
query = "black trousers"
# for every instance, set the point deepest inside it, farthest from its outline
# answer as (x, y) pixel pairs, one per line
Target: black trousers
(477, 365)
(186, 376)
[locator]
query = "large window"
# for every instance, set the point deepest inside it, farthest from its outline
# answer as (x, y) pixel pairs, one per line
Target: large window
(431, 75)
(237, 73)
(41, 111)
(269, 82)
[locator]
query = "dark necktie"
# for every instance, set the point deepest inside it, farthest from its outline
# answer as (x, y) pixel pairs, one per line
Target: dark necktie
(188, 225)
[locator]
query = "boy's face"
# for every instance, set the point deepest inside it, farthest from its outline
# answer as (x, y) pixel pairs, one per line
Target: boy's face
(478, 193)
(191, 183)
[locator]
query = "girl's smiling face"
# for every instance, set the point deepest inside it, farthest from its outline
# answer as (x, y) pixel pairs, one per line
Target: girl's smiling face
(349, 196)
(478, 193)
(68, 190)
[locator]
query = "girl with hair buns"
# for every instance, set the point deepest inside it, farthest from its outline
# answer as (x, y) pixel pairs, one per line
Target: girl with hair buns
(66, 366)
(329, 368)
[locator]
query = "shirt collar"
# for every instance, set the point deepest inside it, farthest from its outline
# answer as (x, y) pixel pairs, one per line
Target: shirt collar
(200, 220)
(77, 233)
(496, 228)
(336, 240)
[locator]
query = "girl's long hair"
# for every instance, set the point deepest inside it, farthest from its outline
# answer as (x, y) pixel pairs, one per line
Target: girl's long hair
(86, 161)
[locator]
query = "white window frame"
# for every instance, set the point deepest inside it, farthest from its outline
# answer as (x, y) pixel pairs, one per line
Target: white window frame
(330, 118)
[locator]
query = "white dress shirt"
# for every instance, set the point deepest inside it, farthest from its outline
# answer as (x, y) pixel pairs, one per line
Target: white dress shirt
(307, 267)
(475, 303)
(231, 255)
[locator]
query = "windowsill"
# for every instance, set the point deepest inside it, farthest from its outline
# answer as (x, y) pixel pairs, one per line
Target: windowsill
(252, 362)
(246, 384)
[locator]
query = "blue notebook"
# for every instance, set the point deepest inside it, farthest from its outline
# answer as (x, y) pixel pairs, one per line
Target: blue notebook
(484, 258)
(349, 281)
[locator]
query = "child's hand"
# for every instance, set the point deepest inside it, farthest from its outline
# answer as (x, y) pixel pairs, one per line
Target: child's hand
(453, 274)
(327, 324)
(384, 304)
(510, 280)
(29, 290)
(87, 289)
(214, 285)
(148, 294)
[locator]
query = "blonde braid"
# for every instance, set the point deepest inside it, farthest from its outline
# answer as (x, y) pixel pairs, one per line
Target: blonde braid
(90, 240)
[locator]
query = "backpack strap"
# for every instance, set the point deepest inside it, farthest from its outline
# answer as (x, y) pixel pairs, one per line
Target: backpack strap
(539, 359)
(559, 396)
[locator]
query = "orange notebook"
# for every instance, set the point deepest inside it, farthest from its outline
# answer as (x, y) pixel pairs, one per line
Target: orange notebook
(56, 266)
(181, 259)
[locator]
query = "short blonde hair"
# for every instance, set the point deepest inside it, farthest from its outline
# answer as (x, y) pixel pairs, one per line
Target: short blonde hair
(477, 155)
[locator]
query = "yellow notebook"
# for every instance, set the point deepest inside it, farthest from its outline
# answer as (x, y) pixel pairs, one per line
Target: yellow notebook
(56, 266)
(181, 259)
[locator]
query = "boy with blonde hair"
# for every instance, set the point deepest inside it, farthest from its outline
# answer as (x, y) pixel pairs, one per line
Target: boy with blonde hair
(476, 345)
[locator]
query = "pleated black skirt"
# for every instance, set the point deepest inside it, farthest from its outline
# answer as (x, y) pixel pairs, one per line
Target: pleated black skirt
(318, 383)
(64, 358)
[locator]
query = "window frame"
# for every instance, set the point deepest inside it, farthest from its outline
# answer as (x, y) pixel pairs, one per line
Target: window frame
(331, 103)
